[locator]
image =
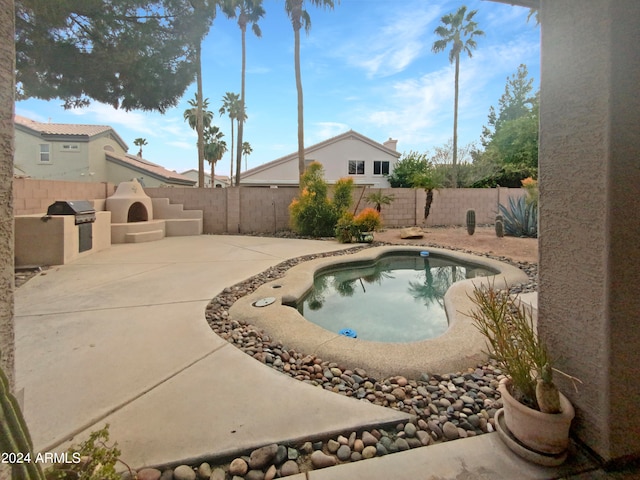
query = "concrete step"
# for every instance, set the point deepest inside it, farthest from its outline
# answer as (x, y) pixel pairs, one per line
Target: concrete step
(140, 237)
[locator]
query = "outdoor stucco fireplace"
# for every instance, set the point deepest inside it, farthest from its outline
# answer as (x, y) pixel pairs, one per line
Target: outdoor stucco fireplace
(136, 217)
(130, 204)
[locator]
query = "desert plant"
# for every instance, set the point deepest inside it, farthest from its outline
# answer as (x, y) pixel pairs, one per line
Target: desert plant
(512, 340)
(378, 199)
(342, 194)
(346, 229)
(368, 220)
(531, 186)
(312, 213)
(14, 435)
(471, 222)
(499, 228)
(96, 460)
(521, 218)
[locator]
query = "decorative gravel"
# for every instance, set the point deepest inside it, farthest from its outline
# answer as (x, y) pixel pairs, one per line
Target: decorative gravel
(445, 407)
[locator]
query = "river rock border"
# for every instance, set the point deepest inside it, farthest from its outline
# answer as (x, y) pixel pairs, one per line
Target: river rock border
(458, 347)
(446, 407)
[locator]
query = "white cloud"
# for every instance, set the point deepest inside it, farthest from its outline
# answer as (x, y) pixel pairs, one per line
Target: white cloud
(323, 130)
(390, 48)
(102, 114)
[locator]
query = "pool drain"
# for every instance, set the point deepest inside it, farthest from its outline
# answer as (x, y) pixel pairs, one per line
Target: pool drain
(347, 332)
(263, 302)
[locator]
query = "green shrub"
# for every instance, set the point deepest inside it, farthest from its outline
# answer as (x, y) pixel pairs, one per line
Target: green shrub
(521, 218)
(342, 194)
(368, 220)
(346, 229)
(312, 213)
(97, 460)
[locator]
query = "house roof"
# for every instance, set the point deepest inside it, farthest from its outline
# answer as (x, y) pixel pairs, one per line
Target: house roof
(309, 150)
(66, 131)
(153, 170)
(221, 178)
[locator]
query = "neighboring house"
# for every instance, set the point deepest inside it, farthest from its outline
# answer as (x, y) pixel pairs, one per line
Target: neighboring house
(221, 181)
(349, 154)
(83, 153)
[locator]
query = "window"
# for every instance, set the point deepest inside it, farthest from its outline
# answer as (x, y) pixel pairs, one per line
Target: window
(380, 167)
(356, 167)
(44, 153)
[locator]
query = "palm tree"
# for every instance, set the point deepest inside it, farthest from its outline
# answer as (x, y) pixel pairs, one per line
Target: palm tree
(190, 115)
(140, 142)
(231, 106)
(246, 151)
(459, 30)
(249, 11)
(430, 181)
(379, 198)
(299, 18)
(199, 110)
(214, 148)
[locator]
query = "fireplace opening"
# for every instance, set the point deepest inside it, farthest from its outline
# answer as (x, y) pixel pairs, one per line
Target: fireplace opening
(137, 213)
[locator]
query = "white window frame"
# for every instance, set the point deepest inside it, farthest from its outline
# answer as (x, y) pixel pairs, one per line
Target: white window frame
(42, 153)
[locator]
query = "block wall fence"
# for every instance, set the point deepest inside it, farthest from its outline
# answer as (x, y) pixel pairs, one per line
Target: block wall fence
(265, 210)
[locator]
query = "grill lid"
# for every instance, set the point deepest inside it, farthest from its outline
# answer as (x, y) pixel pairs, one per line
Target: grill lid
(71, 207)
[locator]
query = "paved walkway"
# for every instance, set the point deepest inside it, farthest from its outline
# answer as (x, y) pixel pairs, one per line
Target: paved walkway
(119, 337)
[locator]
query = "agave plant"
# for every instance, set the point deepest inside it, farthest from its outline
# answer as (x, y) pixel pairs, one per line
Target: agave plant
(521, 218)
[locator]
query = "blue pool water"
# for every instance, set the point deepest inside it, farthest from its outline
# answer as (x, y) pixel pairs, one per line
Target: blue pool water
(399, 298)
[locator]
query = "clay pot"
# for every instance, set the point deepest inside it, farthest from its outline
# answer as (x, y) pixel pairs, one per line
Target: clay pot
(546, 433)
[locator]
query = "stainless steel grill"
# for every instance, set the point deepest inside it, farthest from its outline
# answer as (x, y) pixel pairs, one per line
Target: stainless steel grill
(82, 210)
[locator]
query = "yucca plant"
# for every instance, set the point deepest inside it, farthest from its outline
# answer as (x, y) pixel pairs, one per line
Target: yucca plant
(521, 218)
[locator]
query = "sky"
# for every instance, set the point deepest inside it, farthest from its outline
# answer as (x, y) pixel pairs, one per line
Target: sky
(365, 67)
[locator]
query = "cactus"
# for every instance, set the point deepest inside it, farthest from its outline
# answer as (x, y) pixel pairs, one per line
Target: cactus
(471, 221)
(499, 228)
(14, 435)
(499, 218)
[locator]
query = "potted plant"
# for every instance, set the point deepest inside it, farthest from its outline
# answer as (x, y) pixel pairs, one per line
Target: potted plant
(535, 412)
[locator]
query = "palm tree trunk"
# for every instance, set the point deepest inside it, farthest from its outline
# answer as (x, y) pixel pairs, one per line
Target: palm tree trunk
(455, 124)
(7, 88)
(427, 203)
(213, 174)
(241, 119)
(199, 118)
(296, 34)
(231, 155)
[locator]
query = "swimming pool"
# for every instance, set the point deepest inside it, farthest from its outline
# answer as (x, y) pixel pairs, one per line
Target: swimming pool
(396, 298)
(272, 307)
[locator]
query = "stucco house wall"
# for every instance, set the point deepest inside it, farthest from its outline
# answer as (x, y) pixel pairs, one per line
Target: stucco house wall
(62, 165)
(81, 153)
(334, 154)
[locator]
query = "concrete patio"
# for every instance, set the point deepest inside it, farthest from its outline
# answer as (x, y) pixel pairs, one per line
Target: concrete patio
(119, 337)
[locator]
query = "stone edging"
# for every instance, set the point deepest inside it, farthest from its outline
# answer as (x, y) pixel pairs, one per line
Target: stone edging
(458, 348)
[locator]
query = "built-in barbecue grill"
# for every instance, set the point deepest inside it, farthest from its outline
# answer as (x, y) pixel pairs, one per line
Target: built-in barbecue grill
(84, 216)
(82, 210)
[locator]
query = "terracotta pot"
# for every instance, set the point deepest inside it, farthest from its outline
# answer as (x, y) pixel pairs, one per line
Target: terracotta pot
(546, 433)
